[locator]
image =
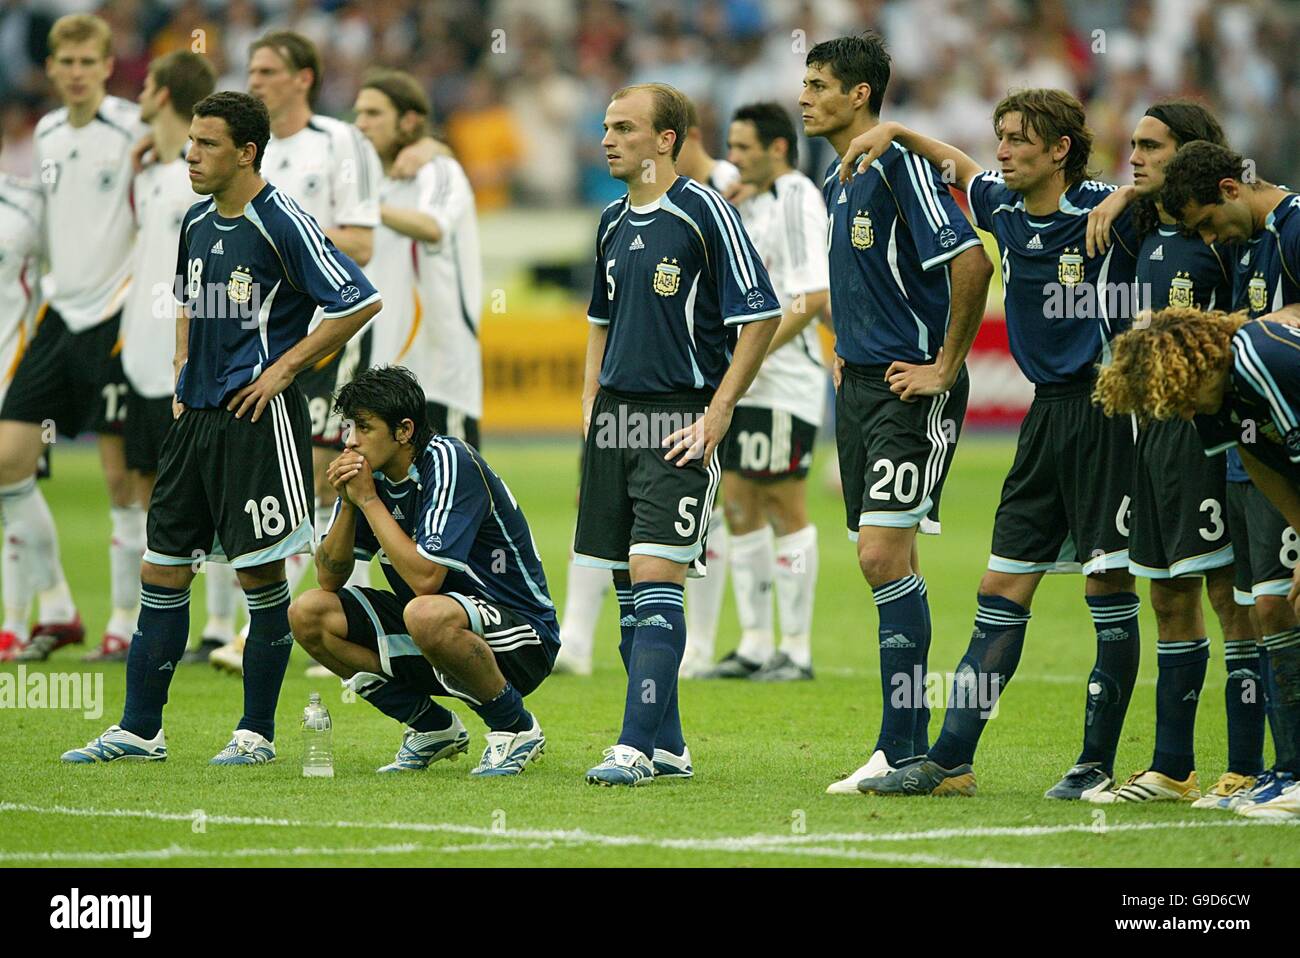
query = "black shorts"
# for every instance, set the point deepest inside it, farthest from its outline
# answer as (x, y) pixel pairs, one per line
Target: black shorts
(146, 428)
(446, 421)
(232, 488)
(74, 379)
(322, 382)
(1065, 502)
(631, 500)
(1178, 524)
(1265, 547)
(765, 443)
(375, 621)
(894, 455)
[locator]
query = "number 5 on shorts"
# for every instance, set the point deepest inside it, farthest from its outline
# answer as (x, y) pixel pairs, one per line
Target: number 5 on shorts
(688, 519)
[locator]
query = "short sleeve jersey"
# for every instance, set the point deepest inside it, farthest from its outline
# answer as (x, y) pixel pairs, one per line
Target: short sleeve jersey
(892, 233)
(1062, 306)
(462, 516)
(673, 281)
(251, 285)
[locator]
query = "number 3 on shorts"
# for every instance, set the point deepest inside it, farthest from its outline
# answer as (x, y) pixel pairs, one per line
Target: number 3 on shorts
(686, 526)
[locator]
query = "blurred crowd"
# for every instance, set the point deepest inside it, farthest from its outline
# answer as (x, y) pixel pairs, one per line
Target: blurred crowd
(519, 87)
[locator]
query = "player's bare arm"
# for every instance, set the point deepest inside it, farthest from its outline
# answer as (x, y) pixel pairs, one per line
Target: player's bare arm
(334, 556)
(970, 274)
(596, 337)
(1287, 315)
(411, 158)
(326, 338)
(803, 311)
(1103, 216)
(423, 576)
(701, 438)
(418, 226)
(182, 357)
(357, 242)
(956, 166)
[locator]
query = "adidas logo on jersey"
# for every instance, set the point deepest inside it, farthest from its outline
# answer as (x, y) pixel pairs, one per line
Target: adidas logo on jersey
(217, 249)
(636, 244)
(397, 512)
(1158, 254)
(1035, 243)
(843, 197)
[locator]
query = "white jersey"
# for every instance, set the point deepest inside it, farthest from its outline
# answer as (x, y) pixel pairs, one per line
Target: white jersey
(432, 291)
(788, 226)
(331, 171)
(85, 173)
(21, 248)
(723, 176)
(163, 195)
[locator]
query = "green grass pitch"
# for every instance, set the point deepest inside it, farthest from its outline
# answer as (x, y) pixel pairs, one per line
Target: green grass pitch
(763, 754)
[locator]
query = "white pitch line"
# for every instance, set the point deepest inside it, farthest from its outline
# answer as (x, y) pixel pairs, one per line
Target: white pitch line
(1045, 679)
(769, 842)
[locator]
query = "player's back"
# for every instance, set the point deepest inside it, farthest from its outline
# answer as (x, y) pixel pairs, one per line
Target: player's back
(330, 170)
(21, 245)
(85, 173)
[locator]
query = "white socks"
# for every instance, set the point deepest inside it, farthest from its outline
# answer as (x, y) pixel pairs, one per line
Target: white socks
(222, 589)
(704, 596)
(753, 564)
(29, 531)
(796, 585)
(584, 594)
(125, 550)
(17, 591)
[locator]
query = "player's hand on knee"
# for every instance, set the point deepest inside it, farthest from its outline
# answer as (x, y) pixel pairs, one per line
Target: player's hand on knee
(259, 392)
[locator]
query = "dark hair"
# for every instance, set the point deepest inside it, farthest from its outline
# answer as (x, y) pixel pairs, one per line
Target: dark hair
(1194, 173)
(187, 76)
(671, 109)
(245, 116)
(1187, 121)
(1052, 114)
(392, 393)
(295, 50)
(406, 95)
(854, 60)
(772, 122)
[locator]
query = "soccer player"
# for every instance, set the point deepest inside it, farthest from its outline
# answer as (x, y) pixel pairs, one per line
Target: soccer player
(71, 372)
(768, 452)
(426, 264)
(1179, 528)
(21, 252)
(1240, 380)
(162, 196)
(1065, 501)
(330, 170)
(234, 468)
(676, 274)
(467, 613)
(909, 283)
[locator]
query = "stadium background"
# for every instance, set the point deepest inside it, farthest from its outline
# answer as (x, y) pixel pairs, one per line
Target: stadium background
(525, 121)
(519, 89)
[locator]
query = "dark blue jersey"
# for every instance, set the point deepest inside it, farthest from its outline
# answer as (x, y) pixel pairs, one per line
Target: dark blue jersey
(893, 232)
(1261, 403)
(673, 280)
(252, 285)
(1174, 269)
(462, 516)
(1062, 306)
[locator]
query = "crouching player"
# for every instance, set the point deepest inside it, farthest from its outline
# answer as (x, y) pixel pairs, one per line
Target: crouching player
(469, 614)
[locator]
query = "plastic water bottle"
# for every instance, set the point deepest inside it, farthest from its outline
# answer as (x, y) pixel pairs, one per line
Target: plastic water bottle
(317, 740)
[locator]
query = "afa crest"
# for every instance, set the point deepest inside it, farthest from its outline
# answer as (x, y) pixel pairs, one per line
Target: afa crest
(668, 277)
(1258, 292)
(1069, 268)
(240, 286)
(1180, 291)
(862, 236)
